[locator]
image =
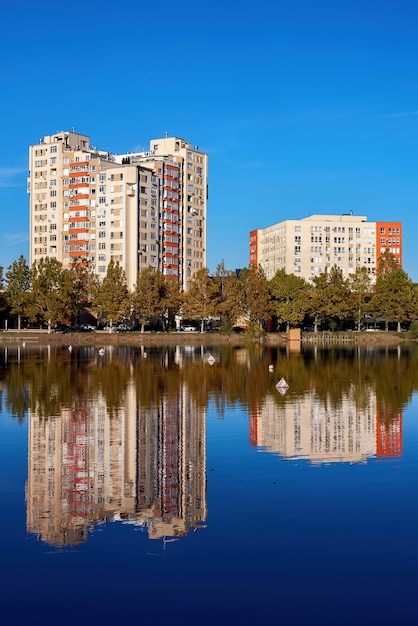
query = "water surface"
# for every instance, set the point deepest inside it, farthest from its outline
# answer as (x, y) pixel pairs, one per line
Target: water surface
(158, 484)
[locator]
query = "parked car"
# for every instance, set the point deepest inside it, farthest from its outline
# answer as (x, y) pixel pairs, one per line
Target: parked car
(188, 329)
(122, 328)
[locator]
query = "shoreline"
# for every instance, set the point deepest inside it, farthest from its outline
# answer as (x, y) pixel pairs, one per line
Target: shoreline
(98, 338)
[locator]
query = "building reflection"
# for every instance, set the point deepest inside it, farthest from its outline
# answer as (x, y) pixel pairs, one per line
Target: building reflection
(141, 465)
(317, 430)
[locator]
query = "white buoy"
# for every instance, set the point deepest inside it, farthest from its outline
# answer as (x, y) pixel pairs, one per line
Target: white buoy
(23, 344)
(101, 351)
(271, 368)
(70, 348)
(211, 359)
(282, 384)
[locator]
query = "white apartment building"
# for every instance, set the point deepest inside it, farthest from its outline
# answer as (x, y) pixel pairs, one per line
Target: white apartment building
(141, 209)
(313, 245)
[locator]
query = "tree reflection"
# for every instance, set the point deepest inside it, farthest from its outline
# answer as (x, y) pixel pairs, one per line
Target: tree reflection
(122, 434)
(47, 380)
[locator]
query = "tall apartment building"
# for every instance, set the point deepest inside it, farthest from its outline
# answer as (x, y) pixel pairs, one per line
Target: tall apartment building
(314, 244)
(141, 209)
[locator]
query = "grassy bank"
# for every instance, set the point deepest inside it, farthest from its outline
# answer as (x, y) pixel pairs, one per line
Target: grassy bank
(99, 338)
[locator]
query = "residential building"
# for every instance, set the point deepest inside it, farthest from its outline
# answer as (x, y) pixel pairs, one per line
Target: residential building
(314, 244)
(141, 209)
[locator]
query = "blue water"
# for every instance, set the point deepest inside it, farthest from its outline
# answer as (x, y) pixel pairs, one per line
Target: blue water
(285, 539)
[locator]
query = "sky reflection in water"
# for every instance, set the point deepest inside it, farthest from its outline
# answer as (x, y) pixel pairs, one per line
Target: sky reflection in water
(150, 483)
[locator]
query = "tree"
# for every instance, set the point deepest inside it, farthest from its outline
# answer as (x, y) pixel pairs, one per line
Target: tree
(200, 301)
(51, 289)
(174, 298)
(256, 294)
(149, 297)
(83, 281)
(395, 298)
(290, 298)
(386, 263)
(18, 287)
(231, 296)
(110, 299)
(361, 288)
(332, 299)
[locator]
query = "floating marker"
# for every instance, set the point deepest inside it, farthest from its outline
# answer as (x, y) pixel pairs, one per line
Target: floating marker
(211, 360)
(282, 384)
(271, 368)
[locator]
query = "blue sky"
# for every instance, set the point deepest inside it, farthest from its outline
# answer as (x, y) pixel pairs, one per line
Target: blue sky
(303, 107)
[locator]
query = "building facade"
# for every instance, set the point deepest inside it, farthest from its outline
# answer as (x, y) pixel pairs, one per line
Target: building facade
(314, 244)
(141, 209)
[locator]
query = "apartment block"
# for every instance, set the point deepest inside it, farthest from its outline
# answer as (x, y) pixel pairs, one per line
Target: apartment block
(313, 245)
(141, 209)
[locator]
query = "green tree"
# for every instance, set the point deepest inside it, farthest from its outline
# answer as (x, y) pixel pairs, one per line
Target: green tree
(51, 290)
(18, 287)
(149, 297)
(395, 298)
(361, 288)
(332, 299)
(83, 281)
(110, 298)
(231, 296)
(290, 298)
(200, 301)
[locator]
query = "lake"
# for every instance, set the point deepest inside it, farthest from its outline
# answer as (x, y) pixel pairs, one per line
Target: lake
(183, 485)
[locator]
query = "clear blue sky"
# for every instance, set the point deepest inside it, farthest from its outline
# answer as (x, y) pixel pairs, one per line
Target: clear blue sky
(303, 107)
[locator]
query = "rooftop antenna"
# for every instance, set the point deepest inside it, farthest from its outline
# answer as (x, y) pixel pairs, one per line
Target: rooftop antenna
(166, 134)
(73, 129)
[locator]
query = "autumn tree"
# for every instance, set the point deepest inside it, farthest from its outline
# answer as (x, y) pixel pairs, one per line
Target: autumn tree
(110, 298)
(18, 287)
(51, 292)
(2, 291)
(200, 301)
(386, 263)
(290, 298)
(256, 294)
(174, 298)
(149, 297)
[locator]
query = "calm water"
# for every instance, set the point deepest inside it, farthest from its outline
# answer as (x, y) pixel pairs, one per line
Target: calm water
(153, 484)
